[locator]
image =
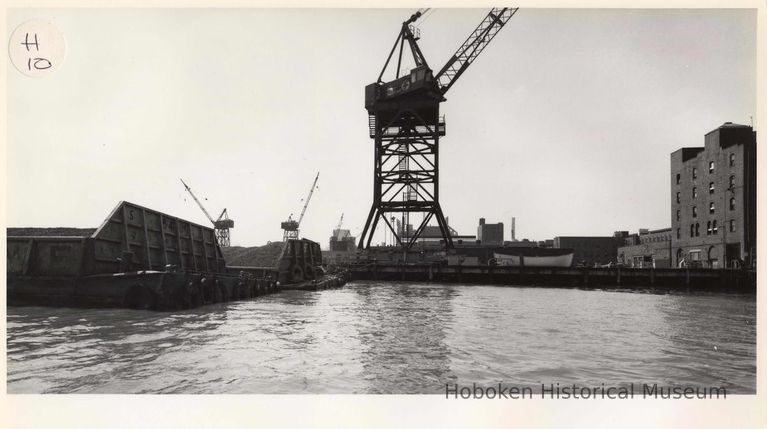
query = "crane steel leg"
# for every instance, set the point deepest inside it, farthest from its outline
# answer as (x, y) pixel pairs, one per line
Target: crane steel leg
(406, 173)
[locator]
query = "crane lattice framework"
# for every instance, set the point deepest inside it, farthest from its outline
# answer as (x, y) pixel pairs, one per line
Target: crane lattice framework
(405, 123)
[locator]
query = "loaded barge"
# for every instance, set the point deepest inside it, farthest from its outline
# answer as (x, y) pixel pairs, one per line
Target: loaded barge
(143, 259)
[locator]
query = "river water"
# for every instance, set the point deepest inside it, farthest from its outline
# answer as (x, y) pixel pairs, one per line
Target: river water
(373, 337)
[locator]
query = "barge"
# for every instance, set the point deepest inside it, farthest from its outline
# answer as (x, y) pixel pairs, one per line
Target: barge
(143, 259)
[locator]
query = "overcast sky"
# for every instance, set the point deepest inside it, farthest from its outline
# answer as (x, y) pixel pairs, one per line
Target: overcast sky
(566, 121)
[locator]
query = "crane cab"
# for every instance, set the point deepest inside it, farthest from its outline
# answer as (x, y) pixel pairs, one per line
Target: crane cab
(223, 223)
(418, 80)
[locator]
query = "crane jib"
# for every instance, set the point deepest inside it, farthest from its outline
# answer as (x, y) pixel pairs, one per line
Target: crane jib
(473, 46)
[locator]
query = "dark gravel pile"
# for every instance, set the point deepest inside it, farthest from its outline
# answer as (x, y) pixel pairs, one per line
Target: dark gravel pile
(260, 256)
(50, 232)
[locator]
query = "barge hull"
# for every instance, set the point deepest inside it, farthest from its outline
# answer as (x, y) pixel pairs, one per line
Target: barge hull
(140, 290)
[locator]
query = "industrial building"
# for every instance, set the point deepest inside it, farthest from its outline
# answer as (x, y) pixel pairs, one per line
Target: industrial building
(432, 234)
(342, 245)
(490, 233)
(713, 200)
(646, 249)
(589, 251)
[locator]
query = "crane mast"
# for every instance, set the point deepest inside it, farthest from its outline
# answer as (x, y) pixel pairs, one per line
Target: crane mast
(188, 189)
(338, 227)
(406, 125)
(309, 198)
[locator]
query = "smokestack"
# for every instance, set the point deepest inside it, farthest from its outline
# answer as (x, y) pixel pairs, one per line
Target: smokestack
(513, 229)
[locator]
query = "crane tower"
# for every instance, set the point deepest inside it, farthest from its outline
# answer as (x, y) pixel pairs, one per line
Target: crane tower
(405, 124)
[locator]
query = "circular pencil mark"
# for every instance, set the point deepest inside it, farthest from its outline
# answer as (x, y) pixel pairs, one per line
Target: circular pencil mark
(37, 48)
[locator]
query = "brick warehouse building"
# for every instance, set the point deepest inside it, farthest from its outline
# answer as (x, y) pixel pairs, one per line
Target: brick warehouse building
(647, 249)
(713, 200)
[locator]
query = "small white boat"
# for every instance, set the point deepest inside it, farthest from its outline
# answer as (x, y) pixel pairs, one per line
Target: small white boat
(562, 260)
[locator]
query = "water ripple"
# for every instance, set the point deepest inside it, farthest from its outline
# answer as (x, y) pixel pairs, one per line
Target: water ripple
(389, 338)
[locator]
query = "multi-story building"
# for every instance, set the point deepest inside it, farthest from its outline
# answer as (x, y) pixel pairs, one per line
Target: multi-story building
(591, 251)
(489, 233)
(647, 249)
(713, 200)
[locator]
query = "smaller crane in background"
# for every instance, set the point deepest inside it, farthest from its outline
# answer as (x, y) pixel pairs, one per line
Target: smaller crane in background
(220, 225)
(338, 227)
(290, 226)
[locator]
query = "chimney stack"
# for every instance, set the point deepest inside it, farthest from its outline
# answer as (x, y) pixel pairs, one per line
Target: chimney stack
(513, 229)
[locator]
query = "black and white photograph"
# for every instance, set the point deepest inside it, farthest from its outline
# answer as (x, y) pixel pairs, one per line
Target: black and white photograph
(468, 205)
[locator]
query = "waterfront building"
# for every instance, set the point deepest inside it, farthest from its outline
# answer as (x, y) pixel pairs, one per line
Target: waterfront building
(343, 247)
(342, 241)
(646, 249)
(490, 233)
(713, 200)
(590, 251)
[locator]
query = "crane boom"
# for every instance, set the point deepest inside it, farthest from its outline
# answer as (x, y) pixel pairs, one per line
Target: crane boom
(473, 46)
(198, 202)
(311, 191)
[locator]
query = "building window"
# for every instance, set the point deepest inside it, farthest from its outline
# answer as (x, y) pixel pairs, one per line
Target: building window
(694, 211)
(708, 228)
(732, 205)
(711, 208)
(732, 161)
(695, 192)
(715, 228)
(732, 182)
(678, 233)
(695, 255)
(678, 178)
(711, 187)
(692, 230)
(678, 214)
(677, 197)
(697, 230)
(711, 167)
(732, 226)
(694, 173)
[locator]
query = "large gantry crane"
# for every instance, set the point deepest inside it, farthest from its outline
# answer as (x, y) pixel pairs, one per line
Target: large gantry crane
(290, 226)
(221, 225)
(405, 123)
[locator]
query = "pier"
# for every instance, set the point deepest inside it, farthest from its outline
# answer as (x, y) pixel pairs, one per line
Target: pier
(658, 279)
